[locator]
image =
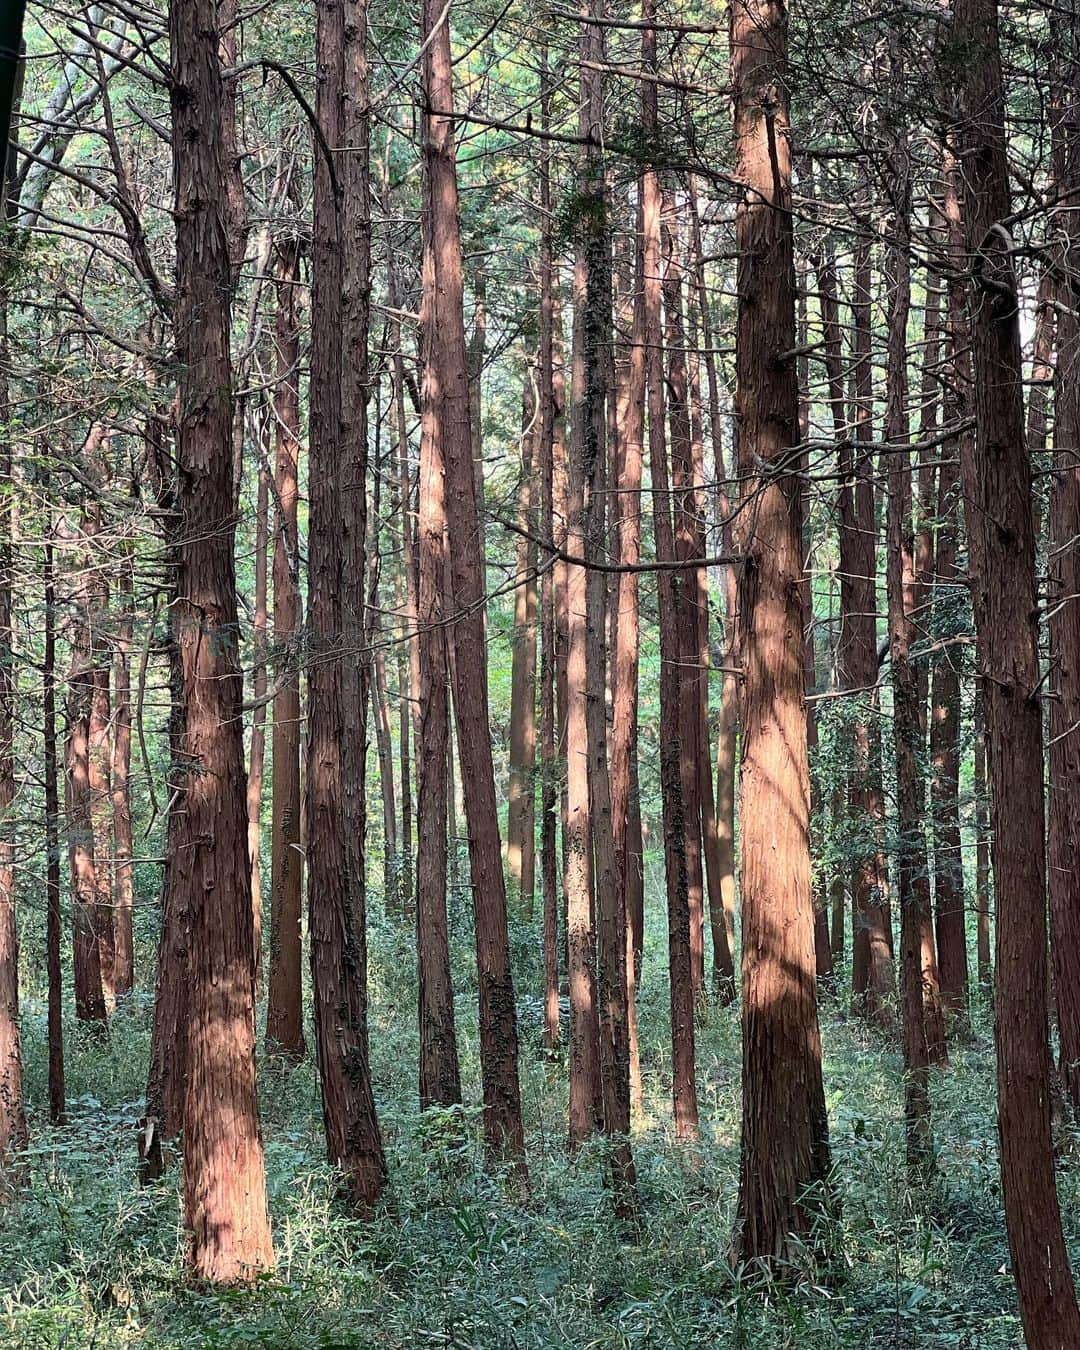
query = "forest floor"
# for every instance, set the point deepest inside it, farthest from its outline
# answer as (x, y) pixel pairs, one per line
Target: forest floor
(87, 1258)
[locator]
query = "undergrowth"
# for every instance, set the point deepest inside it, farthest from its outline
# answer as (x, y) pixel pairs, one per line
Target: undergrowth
(456, 1258)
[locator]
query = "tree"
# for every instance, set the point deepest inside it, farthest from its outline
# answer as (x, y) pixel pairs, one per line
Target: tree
(676, 869)
(284, 1013)
(784, 1131)
(335, 908)
(1063, 855)
(997, 488)
(498, 1020)
(225, 1216)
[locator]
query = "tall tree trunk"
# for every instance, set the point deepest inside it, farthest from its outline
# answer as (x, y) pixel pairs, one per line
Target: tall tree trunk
(1064, 806)
(13, 1130)
(833, 359)
(594, 259)
(381, 714)
(724, 982)
(586, 1099)
(123, 846)
(354, 216)
(872, 969)
(686, 588)
(684, 1075)
(257, 756)
(440, 1079)
(723, 967)
(980, 789)
(997, 490)
(548, 412)
(784, 1131)
(521, 814)
(335, 722)
(498, 1022)
(624, 699)
(54, 917)
(913, 876)
(409, 655)
(284, 1009)
(166, 1079)
(225, 1215)
(90, 1005)
(945, 761)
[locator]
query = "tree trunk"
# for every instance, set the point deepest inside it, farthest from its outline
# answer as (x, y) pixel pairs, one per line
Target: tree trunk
(913, 877)
(225, 1215)
(166, 1079)
(997, 490)
(354, 217)
(13, 1131)
(334, 724)
(440, 1080)
(945, 761)
(284, 1008)
(686, 588)
(53, 918)
(521, 814)
(124, 963)
(684, 1075)
(724, 982)
(90, 1003)
(785, 1153)
(1064, 596)
(594, 259)
(498, 1022)
(624, 699)
(257, 755)
(586, 1090)
(99, 750)
(872, 969)
(982, 842)
(548, 760)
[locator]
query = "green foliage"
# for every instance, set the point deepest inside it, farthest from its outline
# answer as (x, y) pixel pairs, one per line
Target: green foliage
(455, 1257)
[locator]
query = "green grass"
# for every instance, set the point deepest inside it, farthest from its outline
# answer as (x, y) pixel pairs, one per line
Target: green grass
(87, 1258)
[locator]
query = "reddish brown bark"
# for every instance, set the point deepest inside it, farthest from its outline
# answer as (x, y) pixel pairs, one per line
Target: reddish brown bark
(335, 896)
(521, 812)
(225, 1216)
(718, 814)
(284, 1012)
(13, 1130)
(123, 845)
(549, 413)
(982, 843)
(686, 589)
(684, 1076)
(784, 1132)
(90, 1003)
(872, 969)
(996, 475)
(586, 1104)
(945, 762)
(913, 879)
(354, 217)
(498, 1023)
(591, 424)
(440, 1081)
(624, 698)
(54, 917)
(257, 752)
(166, 1078)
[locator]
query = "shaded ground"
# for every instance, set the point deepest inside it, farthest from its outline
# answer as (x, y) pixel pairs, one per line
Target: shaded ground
(87, 1258)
